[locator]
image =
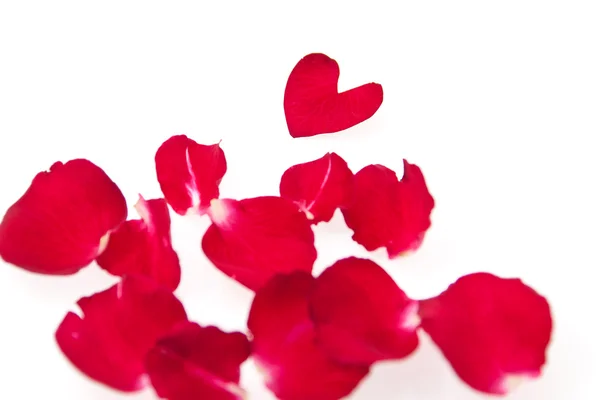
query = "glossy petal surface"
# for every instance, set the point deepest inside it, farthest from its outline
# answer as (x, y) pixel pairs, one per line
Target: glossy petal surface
(493, 331)
(361, 315)
(143, 246)
(62, 222)
(387, 212)
(195, 362)
(313, 105)
(189, 173)
(319, 187)
(117, 329)
(284, 346)
(252, 240)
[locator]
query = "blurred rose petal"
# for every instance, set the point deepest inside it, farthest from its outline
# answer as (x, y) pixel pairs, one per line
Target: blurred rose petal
(284, 346)
(493, 331)
(117, 328)
(189, 173)
(361, 314)
(64, 219)
(143, 246)
(252, 240)
(319, 187)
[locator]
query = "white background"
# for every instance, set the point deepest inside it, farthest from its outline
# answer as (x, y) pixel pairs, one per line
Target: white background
(497, 101)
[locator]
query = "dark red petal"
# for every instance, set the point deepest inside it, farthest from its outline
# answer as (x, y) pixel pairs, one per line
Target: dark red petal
(493, 331)
(254, 239)
(63, 220)
(319, 187)
(387, 212)
(144, 246)
(361, 315)
(118, 328)
(189, 173)
(195, 362)
(284, 346)
(313, 105)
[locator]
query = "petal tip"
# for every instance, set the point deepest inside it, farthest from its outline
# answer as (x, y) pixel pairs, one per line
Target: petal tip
(510, 382)
(411, 319)
(218, 212)
(103, 243)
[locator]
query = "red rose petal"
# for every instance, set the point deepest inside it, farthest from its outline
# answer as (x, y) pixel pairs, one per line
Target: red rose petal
(493, 331)
(118, 328)
(284, 346)
(313, 105)
(195, 362)
(319, 187)
(189, 173)
(62, 222)
(254, 239)
(387, 212)
(361, 315)
(144, 246)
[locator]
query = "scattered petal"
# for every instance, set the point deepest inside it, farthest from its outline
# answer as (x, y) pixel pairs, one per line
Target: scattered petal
(143, 246)
(361, 315)
(492, 330)
(387, 212)
(284, 346)
(319, 187)
(189, 173)
(252, 240)
(195, 362)
(313, 105)
(118, 328)
(63, 221)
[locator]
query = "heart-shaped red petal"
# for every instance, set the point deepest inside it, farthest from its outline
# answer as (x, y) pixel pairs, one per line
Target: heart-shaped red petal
(195, 362)
(189, 173)
(117, 329)
(284, 345)
(493, 331)
(252, 240)
(387, 212)
(143, 246)
(63, 220)
(319, 187)
(361, 315)
(313, 105)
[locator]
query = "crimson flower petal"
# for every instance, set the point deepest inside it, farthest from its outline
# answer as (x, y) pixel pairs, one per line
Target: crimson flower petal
(313, 105)
(319, 187)
(63, 220)
(361, 315)
(284, 345)
(493, 331)
(252, 240)
(387, 212)
(118, 328)
(189, 173)
(144, 246)
(195, 362)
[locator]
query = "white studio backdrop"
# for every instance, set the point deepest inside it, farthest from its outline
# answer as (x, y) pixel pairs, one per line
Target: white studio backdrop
(497, 102)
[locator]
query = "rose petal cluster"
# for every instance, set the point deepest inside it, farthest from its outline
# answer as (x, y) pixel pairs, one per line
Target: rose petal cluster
(312, 336)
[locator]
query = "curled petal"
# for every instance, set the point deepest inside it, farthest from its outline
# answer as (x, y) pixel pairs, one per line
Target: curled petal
(387, 212)
(284, 345)
(189, 173)
(252, 240)
(195, 362)
(493, 331)
(63, 221)
(319, 187)
(313, 105)
(361, 315)
(117, 329)
(144, 246)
